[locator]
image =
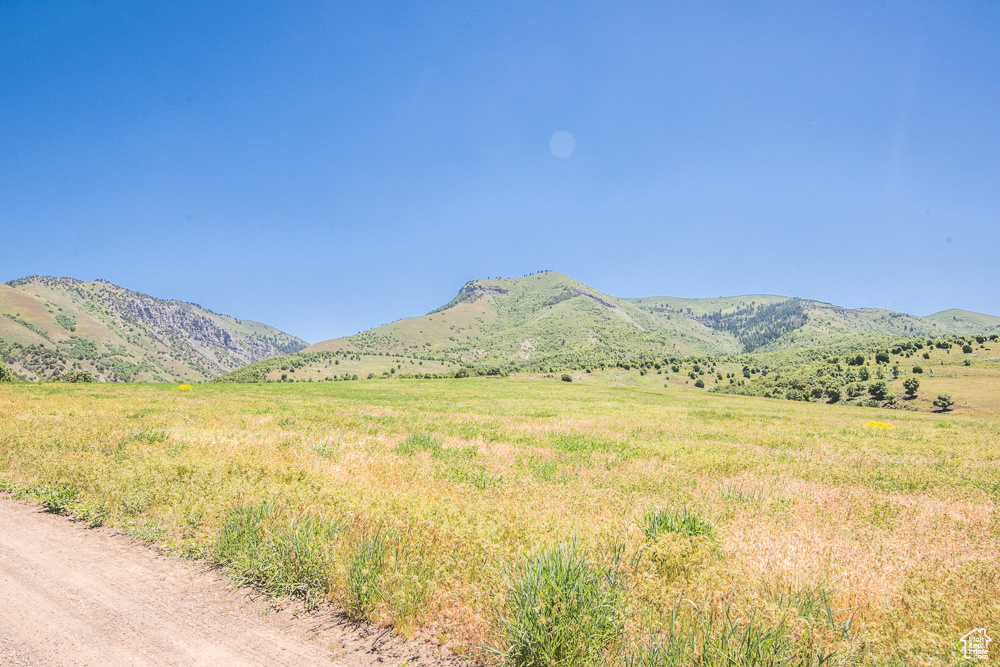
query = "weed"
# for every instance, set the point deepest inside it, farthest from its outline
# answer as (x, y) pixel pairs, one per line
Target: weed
(478, 476)
(364, 575)
(145, 531)
(813, 603)
(95, 514)
(561, 609)
(409, 583)
(58, 499)
(283, 552)
(675, 555)
(420, 442)
(667, 520)
(739, 495)
(324, 449)
(726, 637)
(151, 436)
(136, 503)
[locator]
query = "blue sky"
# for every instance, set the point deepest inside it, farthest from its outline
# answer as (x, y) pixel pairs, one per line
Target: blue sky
(328, 167)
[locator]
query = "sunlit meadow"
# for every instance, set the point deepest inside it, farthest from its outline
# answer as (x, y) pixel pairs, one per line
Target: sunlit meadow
(867, 535)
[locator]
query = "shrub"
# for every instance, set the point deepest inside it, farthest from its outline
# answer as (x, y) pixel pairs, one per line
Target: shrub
(77, 376)
(833, 393)
(967, 349)
(918, 369)
(560, 609)
(911, 385)
(943, 401)
(699, 383)
(878, 389)
(566, 377)
(5, 374)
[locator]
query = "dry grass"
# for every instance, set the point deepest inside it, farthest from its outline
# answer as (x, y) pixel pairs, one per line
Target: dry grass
(901, 521)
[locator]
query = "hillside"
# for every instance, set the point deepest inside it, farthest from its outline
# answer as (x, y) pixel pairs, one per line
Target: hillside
(537, 317)
(52, 326)
(548, 321)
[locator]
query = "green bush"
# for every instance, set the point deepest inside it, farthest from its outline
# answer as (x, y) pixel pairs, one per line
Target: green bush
(560, 609)
(77, 376)
(911, 385)
(943, 401)
(699, 383)
(5, 374)
(566, 377)
(878, 389)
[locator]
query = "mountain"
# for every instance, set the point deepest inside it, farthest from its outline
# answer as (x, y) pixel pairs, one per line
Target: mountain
(550, 320)
(52, 326)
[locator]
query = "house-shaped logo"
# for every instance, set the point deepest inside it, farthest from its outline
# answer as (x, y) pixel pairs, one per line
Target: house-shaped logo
(976, 644)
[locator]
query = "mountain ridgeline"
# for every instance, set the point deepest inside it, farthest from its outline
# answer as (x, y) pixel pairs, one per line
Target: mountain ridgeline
(548, 321)
(61, 327)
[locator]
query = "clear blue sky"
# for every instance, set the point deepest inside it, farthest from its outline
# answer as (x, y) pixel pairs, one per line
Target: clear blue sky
(326, 169)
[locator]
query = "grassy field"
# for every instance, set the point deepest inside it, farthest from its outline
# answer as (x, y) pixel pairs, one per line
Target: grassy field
(550, 522)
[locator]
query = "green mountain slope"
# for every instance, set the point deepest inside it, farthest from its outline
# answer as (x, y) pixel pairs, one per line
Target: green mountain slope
(536, 318)
(550, 321)
(51, 326)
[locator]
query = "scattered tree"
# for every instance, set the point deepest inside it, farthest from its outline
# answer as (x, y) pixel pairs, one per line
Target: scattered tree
(911, 385)
(5, 374)
(77, 376)
(879, 390)
(944, 401)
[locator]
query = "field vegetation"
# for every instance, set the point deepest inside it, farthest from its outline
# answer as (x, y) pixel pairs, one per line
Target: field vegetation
(531, 521)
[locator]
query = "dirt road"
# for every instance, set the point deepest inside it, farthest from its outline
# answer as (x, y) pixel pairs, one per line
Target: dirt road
(70, 595)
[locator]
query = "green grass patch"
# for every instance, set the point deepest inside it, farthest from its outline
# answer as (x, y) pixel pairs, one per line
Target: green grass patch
(561, 609)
